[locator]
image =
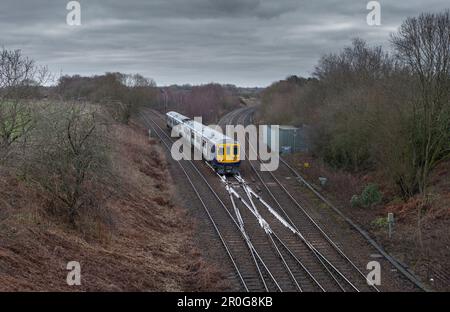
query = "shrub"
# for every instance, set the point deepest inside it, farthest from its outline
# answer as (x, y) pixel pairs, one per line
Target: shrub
(380, 222)
(369, 197)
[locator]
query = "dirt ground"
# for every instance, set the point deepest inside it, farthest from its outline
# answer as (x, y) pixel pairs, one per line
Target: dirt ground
(425, 252)
(148, 245)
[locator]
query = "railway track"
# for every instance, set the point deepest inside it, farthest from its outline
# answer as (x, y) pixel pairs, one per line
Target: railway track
(263, 241)
(257, 267)
(328, 262)
(292, 208)
(314, 270)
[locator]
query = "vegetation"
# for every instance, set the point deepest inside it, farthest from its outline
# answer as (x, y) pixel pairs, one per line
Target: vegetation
(209, 101)
(77, 185)
(56, 138)
(370, 110)
(19, 78)
(423, 47)
(380, 222)
(369, 197)
(71, 162)
(59, 146)
(121, 94)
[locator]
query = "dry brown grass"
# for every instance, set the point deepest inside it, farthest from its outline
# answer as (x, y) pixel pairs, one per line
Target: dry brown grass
(148, 248)
(340, 183)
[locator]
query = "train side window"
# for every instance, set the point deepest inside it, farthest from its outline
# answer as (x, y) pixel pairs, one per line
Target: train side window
(236, 150)
(213, 149)
(228, 150)
(220, 151)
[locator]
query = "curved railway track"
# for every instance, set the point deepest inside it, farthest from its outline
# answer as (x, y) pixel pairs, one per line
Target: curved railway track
(257, 267)
(323, 255)
(265, 247)
(292, 208)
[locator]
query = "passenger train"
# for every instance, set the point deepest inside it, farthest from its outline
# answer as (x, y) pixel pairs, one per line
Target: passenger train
(222, 152)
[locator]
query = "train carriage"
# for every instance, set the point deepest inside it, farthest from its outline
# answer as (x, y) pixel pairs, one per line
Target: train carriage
(222, 152)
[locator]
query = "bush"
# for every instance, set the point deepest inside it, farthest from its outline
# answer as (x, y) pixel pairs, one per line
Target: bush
(369, 197)
(380, 222)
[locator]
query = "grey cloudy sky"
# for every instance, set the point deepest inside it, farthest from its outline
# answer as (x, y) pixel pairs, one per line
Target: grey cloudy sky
(244, 42)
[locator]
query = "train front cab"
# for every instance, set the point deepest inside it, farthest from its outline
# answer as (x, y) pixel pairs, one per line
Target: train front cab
(227, 159)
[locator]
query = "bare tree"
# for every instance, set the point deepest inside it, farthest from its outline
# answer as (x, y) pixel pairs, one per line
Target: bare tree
(70, 157)
(347, 104)
(19, 77)
(423, 44)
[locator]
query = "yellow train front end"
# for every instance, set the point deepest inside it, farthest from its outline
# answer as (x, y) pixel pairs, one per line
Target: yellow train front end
(228, 158)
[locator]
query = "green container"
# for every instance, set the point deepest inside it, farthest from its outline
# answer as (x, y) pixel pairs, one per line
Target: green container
(291, 139)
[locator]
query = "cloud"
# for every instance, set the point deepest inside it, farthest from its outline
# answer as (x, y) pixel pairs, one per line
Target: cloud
(246, 42)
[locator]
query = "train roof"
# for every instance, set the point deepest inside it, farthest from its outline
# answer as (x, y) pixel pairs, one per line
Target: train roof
(209, 133)
(178, 116)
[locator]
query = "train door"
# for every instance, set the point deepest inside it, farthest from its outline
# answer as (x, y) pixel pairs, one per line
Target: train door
(230, 153)
(220, 153)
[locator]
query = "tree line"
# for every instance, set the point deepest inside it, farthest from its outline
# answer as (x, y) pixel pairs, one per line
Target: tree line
(209, 101)
(122, 94)
(373, 110)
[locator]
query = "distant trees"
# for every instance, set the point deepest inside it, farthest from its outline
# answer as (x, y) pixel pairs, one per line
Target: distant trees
(140, 92)
(282, 101)
(123, 94)
(209, 101)
(371, 110)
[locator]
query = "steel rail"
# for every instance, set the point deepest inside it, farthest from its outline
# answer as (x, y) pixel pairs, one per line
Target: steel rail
(253, 250)
(399, 266)
(207, 212)
(264, 224)
(318, 255)
(411, 277)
